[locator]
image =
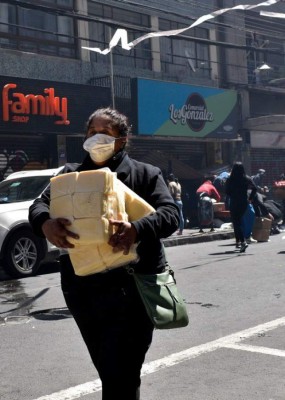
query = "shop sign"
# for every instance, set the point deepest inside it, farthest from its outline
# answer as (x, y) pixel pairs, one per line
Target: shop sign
(17, 107)
(172, 109)
(194, 113)
(36, 106)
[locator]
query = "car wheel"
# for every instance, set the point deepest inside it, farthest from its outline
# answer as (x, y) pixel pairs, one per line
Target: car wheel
(23, 253)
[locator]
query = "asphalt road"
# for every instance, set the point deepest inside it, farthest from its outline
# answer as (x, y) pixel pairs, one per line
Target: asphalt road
(233, 348)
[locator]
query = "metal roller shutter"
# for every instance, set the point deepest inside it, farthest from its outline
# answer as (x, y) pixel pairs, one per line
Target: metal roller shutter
(22, 152)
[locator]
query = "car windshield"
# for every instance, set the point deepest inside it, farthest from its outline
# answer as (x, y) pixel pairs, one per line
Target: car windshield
(22, 188)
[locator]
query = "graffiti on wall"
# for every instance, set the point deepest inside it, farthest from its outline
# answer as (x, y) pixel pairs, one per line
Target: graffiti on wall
(12, 161)
(17, 160)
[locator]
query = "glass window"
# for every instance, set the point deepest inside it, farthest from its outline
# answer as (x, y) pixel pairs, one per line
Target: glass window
(181, 55)
(36, 23)
(7, 18)
(65, 3)
(265, 41)
(22, 189)
(7, 25)
(101, 34)
(256, 58)
(60, 3)
(37, 31)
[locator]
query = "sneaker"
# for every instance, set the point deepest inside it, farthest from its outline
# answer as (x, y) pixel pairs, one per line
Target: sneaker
(238, 244)
(250, 240)
(243, 247)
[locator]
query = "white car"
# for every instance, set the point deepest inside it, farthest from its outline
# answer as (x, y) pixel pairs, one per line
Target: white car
(21, 251)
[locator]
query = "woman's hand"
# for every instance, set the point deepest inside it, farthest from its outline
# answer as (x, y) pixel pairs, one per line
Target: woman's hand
(56, 231)
(124, 237)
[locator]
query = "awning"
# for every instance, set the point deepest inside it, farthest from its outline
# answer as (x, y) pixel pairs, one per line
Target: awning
(269, 123)
(216, 169)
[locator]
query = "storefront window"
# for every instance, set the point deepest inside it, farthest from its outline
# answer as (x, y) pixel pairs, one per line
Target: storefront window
(33, 30)
(182, 55)
(101, 33)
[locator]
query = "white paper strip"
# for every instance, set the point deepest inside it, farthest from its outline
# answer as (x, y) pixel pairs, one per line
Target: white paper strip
(201, 20)
(122, 34)
(272, 14)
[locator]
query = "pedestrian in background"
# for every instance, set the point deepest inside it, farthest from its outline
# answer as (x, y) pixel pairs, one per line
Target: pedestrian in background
(220, 183)
(237, 187)
(282, 178)
(176, 192)
(209, 189)
(206, 194)
(258, 180)
(106, 306)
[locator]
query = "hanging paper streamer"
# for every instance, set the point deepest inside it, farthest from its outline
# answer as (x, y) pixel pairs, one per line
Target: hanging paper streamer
(272, 14)
(122, 34)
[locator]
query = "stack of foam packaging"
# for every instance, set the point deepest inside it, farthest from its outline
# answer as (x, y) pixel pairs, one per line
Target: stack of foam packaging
(88, 199)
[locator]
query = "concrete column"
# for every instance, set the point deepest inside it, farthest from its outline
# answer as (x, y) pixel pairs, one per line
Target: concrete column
(155, 46)
(81, 7)
(213, 50)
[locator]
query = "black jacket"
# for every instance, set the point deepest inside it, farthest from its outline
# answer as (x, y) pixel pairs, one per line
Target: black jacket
(238, 192)
(145, 180)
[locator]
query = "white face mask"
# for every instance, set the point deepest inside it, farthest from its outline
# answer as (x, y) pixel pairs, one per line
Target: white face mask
(101, 147)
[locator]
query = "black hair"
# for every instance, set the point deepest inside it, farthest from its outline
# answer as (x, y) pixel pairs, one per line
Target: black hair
(118, 121)
(238, 171)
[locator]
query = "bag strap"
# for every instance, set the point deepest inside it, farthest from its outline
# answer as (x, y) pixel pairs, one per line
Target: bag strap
(167, 266)
(131, 270)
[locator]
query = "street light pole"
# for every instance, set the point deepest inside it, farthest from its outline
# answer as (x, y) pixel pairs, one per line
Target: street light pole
(112, 73)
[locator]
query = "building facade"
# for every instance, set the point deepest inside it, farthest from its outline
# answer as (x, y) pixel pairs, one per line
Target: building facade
(255, 67)
(197, 101)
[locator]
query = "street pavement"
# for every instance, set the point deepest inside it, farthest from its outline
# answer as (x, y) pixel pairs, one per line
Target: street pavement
(189, 236)
(233, 347)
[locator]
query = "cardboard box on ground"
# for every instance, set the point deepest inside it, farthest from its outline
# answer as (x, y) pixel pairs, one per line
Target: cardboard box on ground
(219, 207)
(261, 229)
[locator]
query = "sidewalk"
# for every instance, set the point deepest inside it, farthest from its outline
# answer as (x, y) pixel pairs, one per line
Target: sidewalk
(193, 236)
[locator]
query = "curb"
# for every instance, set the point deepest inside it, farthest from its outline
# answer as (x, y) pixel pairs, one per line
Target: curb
(197, 238)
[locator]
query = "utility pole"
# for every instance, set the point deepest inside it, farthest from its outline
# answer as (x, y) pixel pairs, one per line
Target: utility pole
(112, 72)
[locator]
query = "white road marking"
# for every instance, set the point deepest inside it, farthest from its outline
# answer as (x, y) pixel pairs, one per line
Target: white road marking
(257, 349)
(75, 392)
(229, 341)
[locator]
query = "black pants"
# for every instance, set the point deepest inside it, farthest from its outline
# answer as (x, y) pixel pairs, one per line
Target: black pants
(115, 327)
(236, 217)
